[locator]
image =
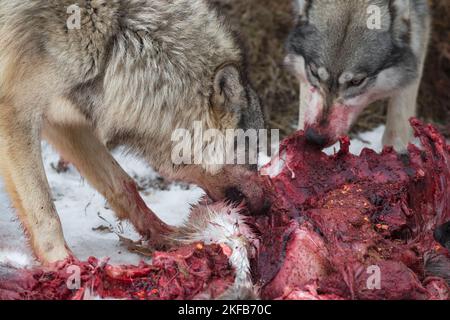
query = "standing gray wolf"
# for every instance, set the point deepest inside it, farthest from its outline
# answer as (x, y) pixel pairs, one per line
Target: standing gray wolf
(350, 53)
(131, 72)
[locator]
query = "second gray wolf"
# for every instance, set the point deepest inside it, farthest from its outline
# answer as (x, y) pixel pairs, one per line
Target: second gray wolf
(350, 53)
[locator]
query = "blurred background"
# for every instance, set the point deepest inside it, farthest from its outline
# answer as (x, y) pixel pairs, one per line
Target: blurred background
(263, 26)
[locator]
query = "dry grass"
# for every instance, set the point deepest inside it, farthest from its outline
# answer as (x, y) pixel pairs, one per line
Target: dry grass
(263, 26)
(434, 99)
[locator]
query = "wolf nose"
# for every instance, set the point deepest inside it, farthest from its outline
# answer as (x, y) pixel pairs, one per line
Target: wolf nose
(313, 137)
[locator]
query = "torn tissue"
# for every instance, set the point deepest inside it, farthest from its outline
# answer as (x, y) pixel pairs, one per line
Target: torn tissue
(339, 224)
(339, 227)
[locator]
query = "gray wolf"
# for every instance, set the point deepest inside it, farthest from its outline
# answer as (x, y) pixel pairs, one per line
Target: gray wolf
(128, 71)
(350, 53)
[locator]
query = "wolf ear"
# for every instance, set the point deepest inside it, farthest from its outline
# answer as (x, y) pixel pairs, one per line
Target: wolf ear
(400, 11)
(301, 9)
(229, 91)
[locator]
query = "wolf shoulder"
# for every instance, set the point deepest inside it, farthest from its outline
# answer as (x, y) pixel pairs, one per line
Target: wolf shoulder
(72, 38)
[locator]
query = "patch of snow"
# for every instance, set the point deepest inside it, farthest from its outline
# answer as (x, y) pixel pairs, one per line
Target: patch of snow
(370, 139)
(82, 209)
(16, 259)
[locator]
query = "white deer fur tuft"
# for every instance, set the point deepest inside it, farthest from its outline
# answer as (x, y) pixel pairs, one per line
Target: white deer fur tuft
(222, 223)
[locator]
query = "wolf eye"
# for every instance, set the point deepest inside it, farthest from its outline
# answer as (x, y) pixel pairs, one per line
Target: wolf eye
(357, 82)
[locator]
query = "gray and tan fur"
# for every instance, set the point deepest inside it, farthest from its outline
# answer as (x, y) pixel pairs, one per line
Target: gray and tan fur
(343, 65)
(133, 72)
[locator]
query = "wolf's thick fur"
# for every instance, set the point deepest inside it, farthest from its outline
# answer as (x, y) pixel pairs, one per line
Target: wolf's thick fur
(133, 72)
(348, 65)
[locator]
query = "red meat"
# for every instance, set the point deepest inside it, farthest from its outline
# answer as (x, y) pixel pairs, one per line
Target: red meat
(336, 221)
(180, 274)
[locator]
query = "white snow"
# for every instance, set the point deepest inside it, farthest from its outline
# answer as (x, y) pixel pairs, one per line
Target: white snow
(82, 209)
(370, 139)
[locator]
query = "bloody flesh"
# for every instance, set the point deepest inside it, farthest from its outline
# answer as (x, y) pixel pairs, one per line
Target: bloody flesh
(355, 227)
(339, 227)
(180, 274)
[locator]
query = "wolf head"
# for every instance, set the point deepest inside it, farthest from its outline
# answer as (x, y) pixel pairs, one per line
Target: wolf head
(233, 107)
(235, 100)
(349, 53)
